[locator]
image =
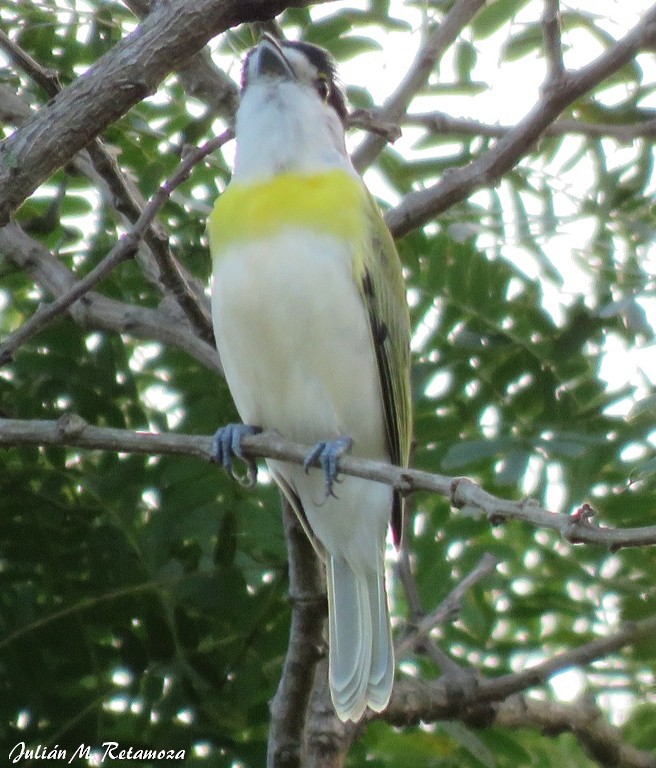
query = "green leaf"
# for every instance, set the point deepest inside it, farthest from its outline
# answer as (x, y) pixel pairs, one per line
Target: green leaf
(472, 451)
(523, 43)
(494, 15)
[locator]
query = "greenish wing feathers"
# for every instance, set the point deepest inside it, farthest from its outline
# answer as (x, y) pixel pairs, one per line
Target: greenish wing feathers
(383, 290)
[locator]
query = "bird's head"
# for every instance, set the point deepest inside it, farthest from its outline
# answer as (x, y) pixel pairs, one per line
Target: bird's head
(292, 111)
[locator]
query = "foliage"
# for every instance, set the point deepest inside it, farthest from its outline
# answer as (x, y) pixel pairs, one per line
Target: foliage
(143, 598)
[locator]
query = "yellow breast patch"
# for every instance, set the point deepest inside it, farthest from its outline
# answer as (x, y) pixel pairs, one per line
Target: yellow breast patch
(331, 202)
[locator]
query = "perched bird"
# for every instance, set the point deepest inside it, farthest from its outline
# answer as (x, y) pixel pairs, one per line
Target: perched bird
(311, 323)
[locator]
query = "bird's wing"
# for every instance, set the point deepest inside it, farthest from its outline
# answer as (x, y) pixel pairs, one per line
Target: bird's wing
(381, 284)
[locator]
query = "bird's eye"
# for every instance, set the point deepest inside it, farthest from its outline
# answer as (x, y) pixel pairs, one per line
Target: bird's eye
(323, 87)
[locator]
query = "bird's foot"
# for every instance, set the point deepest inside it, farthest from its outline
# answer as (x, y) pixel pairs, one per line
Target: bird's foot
(327, 453)
(227, 443)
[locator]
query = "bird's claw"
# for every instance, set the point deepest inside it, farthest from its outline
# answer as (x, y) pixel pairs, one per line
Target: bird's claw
(227, 443)
(328, 453)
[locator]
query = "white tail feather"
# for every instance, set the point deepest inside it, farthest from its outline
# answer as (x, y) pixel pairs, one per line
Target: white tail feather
(381, 674)
(361, 654)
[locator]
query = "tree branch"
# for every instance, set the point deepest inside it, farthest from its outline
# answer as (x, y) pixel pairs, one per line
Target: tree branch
(165, 324)
(439, 40)
(200, 76)
(461, 492)
(552, 44)
(505, 685)
(602, 741)
(157, 263)
(130, 71)
(124, 249)
(447, 608)
(419, 207)
(306, 646)
(442, 123)
(48, 79)
(414, 700)
(327, 739)
(127, 199)
(202, 79)
(499, 701)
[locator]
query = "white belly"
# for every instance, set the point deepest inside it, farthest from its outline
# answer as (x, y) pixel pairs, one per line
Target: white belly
(295, 345)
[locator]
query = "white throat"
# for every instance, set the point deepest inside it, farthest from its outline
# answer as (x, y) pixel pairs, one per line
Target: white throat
(282, 126)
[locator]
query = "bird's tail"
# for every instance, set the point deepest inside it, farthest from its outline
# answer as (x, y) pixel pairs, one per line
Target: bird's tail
(360, 639)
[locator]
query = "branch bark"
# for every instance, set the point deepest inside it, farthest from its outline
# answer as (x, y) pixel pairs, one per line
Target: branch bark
(130, 71)
(439, 40)
(327, 740)
(166, 324)
(414, 700)
(500, 701)
(602, 741)
(442, 123)
(461, 492)
(124, 250)
(306, 647)
(419, 207)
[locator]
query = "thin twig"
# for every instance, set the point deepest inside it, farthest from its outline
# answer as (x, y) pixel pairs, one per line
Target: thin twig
(122, 251)
(48, 79)
(165, 324)
(416, 611)
(421, 206)
(440, 38)
(442, 123)
(417, 635)
(628, 633)
(552, 44)
(461, 492)
(158, 263)
(129, 202)
(447, 607)
(405, 575)
(417, 700)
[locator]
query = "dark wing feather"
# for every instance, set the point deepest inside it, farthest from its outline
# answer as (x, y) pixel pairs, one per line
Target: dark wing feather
(381, 284)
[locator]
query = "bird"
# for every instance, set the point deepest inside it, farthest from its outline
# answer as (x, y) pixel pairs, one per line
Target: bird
(312, 326)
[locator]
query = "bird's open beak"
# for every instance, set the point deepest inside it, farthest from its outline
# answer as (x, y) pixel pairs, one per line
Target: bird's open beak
(270, 60)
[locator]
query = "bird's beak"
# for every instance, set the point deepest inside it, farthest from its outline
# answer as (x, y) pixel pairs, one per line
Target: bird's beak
(270, 60)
